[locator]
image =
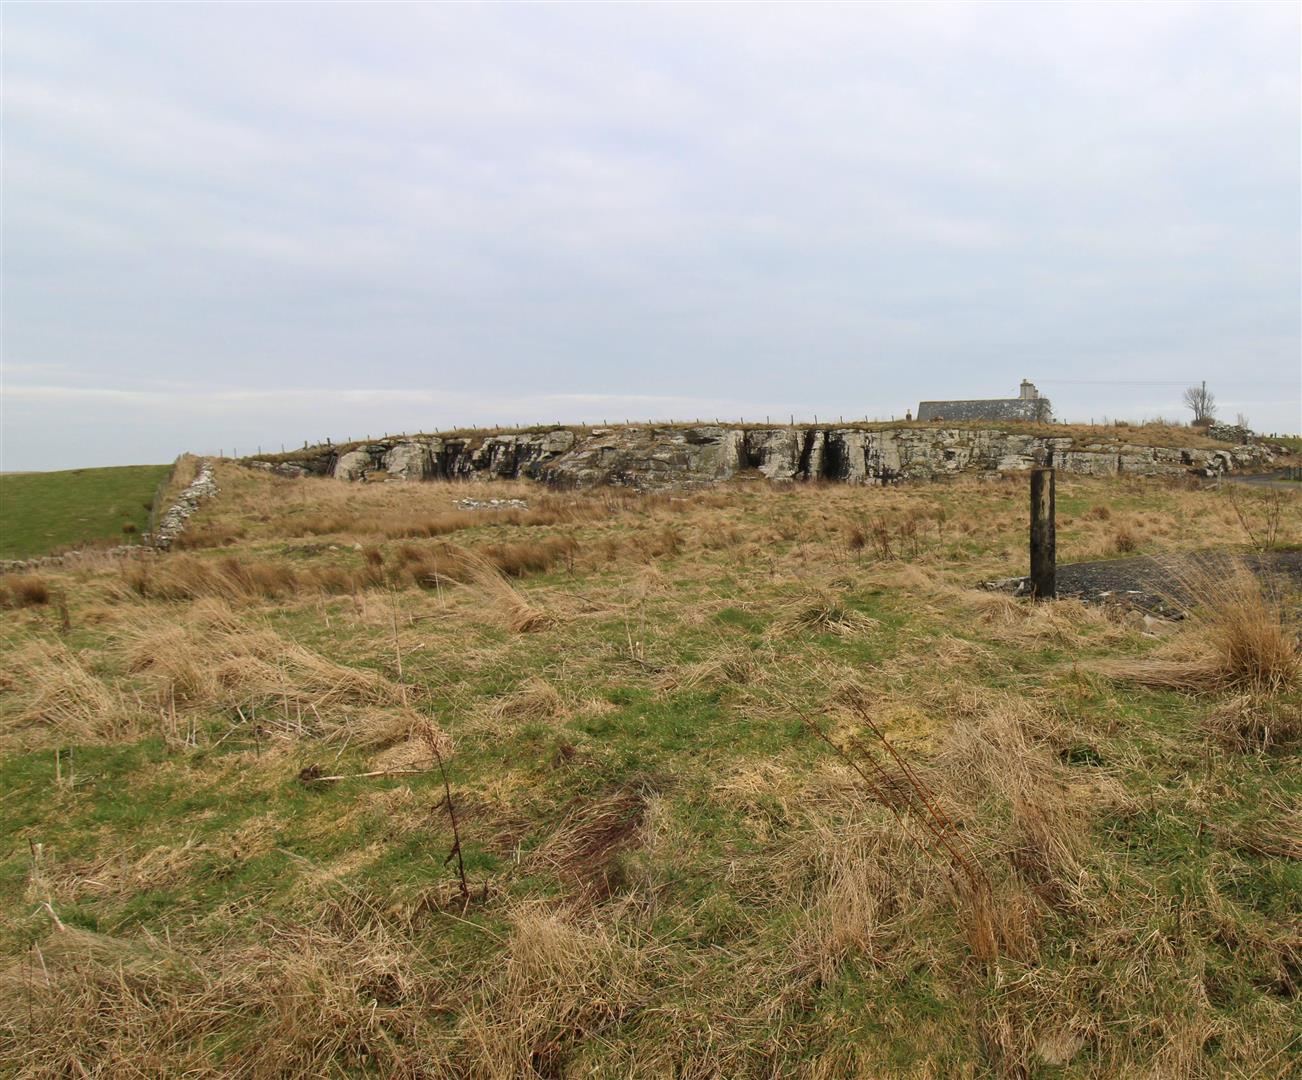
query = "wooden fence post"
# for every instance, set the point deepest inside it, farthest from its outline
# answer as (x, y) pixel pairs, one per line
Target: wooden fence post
(1043, 535)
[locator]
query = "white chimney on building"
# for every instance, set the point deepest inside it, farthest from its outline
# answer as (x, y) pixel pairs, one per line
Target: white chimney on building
(1029, 392)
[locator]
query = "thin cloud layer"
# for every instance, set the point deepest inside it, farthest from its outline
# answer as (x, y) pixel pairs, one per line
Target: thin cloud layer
(234, 224)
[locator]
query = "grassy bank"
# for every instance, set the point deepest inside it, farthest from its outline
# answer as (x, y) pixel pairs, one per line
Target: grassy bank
(45, 512)
(747, 782)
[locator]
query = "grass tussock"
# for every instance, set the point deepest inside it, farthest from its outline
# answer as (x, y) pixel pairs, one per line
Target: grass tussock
(316, 999)
(561, 984)
(24, 590)
(578, 822)
(49, 693)
(826, 612)
(1254, 722)
(212, 659)
(584, 849)
(1240, 637)
(243, 580)
(534, 701)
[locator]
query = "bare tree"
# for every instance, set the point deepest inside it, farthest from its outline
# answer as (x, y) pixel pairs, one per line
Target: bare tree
(1043, 410)
(1203, 403)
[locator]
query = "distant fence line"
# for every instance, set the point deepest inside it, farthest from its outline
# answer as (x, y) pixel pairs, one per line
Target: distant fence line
(484, 429)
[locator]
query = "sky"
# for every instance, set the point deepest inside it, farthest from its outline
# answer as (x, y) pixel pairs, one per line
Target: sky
(235, 227)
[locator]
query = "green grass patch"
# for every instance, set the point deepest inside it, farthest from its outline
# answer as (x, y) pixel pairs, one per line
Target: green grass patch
(46, 512)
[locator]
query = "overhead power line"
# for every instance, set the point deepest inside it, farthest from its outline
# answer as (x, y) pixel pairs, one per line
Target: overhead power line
(1150, 382)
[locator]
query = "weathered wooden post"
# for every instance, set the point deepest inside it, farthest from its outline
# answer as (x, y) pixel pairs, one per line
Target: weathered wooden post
(1043, 536)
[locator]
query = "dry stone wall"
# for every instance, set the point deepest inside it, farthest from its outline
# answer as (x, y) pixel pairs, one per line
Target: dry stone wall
(171, 523)
(655, 457)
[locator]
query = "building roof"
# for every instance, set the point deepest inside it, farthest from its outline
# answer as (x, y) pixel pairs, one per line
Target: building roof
(985, 409)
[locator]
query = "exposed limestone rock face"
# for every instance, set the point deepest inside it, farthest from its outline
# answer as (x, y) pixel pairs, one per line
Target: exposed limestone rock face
(648, 457)
(776, 453)
(410, 460)
(657, 457)
(289, 468)
(353, 465)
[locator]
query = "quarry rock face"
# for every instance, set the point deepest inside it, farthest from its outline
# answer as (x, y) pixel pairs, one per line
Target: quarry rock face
(692, 456)
(410, 460)
(353, 465)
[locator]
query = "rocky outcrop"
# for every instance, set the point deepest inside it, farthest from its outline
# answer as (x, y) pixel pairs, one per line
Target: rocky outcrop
(656, 457)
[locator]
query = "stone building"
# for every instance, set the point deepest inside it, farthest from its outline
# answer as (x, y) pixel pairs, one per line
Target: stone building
(1028, 405)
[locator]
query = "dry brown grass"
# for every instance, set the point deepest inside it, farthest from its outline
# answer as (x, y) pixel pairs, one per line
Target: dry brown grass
(1254, 722)
(1240, 638)
(340, 993)
(23, 590)
(761, 913)
(211, 658)
(860, 886)
(561, 982)
(826, 612)
(583, 850)
(47, 693)
(535, 700)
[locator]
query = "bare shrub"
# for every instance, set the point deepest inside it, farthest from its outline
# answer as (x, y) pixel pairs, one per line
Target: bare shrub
(1260, 516)
(1124, 541)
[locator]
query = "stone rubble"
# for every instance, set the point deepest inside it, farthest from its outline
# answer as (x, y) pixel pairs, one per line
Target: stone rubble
(492, 504)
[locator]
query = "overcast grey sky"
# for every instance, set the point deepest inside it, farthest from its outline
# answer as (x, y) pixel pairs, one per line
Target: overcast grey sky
(232, 225)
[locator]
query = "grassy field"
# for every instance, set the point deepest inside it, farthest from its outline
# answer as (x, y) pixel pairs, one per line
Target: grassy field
(748, 782)
(51, 511)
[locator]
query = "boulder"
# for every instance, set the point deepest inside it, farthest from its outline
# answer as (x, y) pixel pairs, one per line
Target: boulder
(353, 465)
(409, 461)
